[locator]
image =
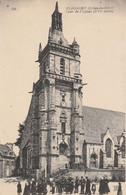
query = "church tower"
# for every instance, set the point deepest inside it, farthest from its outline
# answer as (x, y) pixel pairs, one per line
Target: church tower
(59, 94)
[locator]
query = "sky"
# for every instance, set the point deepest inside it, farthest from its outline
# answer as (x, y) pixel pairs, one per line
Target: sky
(102, 39)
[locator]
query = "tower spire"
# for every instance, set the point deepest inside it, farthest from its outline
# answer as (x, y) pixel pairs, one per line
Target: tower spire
(56, 19)
(56, 7)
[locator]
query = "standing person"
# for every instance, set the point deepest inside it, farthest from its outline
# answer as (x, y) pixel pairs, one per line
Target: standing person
(39, 188)
(101, 187)
(71, 186)
(82, 183)
(19, 189)
(93, 188)
(106, 187)
(88, 191)
(53, 186)
(67, 185)
(119, 192)
(76, 185)
(26, 189)
(50, 183)
(63, 183)
(33, 188)
(44, 187)
(57, 185)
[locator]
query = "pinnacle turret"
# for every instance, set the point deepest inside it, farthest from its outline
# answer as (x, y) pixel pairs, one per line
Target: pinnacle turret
(75, 46)
(50, 35)
(40, 48)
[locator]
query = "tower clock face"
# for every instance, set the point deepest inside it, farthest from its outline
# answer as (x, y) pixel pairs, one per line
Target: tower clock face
(63, 103)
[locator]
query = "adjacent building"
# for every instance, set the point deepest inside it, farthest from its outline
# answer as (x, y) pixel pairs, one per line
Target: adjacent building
(58, 128)
(7, 160)
(104, 139)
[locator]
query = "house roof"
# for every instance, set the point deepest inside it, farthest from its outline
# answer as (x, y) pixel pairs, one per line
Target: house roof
(96, 121)
(6, 151)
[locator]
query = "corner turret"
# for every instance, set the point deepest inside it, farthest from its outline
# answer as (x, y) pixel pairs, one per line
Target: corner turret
(75, 46)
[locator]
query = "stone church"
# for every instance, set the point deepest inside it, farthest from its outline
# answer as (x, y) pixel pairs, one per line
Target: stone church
(58, 128)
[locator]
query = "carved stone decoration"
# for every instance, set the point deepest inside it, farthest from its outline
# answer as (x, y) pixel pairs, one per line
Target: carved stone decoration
(63, 116)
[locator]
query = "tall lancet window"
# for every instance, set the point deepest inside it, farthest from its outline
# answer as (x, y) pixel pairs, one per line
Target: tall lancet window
(63, 127)
(62, 66)
(108, 148)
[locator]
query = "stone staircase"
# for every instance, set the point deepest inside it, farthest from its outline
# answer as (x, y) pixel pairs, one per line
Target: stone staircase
(60, 172)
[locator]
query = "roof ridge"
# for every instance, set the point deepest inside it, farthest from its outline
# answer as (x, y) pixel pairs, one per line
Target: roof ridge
(103, 109)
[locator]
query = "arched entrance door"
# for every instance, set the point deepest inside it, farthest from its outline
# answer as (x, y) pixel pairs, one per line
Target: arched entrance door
(93, 160)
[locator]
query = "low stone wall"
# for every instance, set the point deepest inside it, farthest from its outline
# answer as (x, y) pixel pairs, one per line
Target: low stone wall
(118, 175)
(114, 175)
(92, 174)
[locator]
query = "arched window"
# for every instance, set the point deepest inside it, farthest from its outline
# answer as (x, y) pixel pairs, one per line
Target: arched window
(108, 148)
(62, 66)
(63, 127)
(123, 149)
(8, 162)
(63, 148)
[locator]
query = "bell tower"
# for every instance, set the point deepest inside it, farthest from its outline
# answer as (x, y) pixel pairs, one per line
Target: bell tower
(59, 94)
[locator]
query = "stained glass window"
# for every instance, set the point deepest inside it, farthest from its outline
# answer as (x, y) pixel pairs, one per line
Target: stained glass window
(108, 148)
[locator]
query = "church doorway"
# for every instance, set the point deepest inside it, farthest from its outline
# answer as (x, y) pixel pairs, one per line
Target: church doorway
(93, 160)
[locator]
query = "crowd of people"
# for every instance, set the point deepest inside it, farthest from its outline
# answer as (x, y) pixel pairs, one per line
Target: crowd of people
(33, 188)
(65, 185)
(70, 185)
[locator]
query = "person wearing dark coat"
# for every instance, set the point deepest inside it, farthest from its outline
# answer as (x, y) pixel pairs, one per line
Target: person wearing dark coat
(53, 187)
(88, 191)
(106, 187)
(63, 183)
(44, 187)
(119, 192)
(76, 185)
(19, 189)
(33, 188)
(67, 186)
(39, 188)
(82, 183)
(71, 186)
(26, 189)
(101, 187)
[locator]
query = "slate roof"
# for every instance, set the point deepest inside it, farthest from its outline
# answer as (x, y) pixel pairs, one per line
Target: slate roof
(96, 121)
(5, 151)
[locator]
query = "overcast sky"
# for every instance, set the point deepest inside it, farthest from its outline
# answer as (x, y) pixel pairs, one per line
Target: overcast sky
(102, 40)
